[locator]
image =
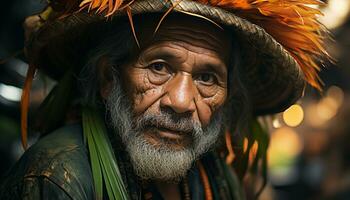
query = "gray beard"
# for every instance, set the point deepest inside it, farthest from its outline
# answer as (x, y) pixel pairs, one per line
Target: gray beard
(160, 162)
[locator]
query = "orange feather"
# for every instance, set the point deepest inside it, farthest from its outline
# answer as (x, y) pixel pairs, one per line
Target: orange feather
(293, 23)
(128, 12)
(25, 104)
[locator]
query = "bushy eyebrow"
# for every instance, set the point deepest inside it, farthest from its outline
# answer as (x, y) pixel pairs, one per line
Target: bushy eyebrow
(160, 53)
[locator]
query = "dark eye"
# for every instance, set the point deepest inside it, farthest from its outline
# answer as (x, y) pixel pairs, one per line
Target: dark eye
(207, 78)
(158, 72)
(158, 67)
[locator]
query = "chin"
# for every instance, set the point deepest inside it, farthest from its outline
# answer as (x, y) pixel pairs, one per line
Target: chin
(159, 161)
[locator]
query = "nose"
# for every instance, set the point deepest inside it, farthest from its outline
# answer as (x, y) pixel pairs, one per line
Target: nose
(180, 94)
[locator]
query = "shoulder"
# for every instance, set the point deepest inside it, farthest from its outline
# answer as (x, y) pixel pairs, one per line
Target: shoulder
(60, 156)
(61, 159)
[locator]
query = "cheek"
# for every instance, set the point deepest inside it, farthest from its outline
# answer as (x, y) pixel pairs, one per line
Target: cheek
(206, 107)
(141, 91)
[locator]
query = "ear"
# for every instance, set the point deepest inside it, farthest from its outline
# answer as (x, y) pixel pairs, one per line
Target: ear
(104, 69)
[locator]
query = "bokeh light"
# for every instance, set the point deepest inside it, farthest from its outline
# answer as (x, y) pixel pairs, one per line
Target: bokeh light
(337, 94)
(276, 123)
(327, 108)
(335, 13)
(285, 146)
(294, 115)
(285, 142)
(10, 92)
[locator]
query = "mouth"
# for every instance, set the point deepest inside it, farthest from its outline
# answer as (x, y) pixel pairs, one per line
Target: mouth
(170, 134)
(160, 135)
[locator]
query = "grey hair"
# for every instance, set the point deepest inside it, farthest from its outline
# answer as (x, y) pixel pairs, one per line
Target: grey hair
(117, 47)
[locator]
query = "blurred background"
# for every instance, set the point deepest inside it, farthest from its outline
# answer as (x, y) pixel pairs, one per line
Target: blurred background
(309, 152)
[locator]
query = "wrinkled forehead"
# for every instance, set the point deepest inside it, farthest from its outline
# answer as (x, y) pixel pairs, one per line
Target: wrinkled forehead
(185, 29)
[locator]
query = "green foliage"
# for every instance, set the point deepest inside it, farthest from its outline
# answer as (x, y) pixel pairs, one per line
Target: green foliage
(103, 162)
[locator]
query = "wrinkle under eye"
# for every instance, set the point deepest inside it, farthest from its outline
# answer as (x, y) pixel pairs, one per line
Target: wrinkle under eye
(207, 84)
(158, 73)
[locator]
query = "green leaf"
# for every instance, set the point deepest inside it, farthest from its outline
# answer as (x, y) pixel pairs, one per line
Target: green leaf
(112, 178)
(106, 166)
(94, 157)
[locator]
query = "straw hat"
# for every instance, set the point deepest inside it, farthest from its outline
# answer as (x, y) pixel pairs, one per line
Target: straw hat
(284, 38)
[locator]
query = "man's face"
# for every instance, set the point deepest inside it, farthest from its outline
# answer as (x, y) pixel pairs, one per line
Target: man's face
(176, 87)
(183, 69)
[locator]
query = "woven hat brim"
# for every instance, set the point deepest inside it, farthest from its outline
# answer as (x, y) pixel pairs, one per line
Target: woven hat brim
(274, 80)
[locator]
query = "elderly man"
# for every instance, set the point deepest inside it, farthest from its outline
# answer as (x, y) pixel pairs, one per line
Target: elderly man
(146, 106)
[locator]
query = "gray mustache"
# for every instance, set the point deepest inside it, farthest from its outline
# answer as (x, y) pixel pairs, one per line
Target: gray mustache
(168, 121)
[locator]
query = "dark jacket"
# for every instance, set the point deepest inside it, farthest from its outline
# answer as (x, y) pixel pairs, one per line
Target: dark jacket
(56, 167)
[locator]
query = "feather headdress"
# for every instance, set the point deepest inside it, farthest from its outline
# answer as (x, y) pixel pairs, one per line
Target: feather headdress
(293, 23)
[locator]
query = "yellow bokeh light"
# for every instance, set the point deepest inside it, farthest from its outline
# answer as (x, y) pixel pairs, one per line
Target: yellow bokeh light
(327, 108)
(312, 116)
(335, 13)
(285, 143)
(276, 123)
(337, 94)
(294, 115)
